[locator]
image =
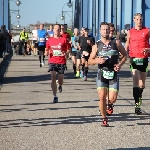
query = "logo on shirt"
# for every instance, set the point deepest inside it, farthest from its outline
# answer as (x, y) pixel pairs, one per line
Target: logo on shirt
(143, 35)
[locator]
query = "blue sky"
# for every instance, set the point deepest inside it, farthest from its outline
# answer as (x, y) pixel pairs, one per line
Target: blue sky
(32, 11)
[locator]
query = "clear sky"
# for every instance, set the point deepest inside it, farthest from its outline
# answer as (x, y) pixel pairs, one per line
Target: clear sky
(32, 11)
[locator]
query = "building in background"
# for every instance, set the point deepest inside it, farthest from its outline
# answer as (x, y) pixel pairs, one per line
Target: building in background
(90, 13)
(4, 13)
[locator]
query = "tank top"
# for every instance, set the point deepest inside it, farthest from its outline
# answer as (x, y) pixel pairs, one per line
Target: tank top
(138, 41)
(110, 52)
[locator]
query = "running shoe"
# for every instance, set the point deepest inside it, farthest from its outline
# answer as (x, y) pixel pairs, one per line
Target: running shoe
(105, 122)
(137, 109)
(78, 74)
(55, 100)
(60, 88)
(109, 109)
(85, 78)
(81, 74)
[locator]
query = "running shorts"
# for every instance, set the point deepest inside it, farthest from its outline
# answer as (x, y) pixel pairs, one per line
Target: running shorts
(59, 68)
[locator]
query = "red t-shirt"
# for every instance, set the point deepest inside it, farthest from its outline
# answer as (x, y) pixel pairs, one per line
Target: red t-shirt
(68, 38)
(57, 48)
(138, 41)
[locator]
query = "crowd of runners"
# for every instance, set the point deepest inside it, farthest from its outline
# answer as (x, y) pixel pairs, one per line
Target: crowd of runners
(58, 45)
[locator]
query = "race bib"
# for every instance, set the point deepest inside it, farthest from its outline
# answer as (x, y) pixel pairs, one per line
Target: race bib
(108, 74)
(85, 53)
(42, 40)
(138, 61)
(57, 52)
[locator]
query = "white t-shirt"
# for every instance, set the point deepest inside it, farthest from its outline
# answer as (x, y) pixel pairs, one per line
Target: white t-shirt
(35, 34)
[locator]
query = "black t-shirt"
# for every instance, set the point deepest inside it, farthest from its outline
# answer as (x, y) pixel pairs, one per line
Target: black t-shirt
(122, 38)
(84, 45)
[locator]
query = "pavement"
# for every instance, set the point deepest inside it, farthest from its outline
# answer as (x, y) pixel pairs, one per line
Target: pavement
(30, 121)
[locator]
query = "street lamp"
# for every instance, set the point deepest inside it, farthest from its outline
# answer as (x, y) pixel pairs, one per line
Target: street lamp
(63, 17)
(18, 3)
(18, 16)
(70, 5)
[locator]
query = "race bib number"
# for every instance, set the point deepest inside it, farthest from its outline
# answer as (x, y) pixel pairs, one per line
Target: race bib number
(42, 39)
(138, 61)
(57, 52)
(85, 53)
(108, 74)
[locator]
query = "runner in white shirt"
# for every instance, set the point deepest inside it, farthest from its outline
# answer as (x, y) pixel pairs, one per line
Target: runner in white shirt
(34, 40)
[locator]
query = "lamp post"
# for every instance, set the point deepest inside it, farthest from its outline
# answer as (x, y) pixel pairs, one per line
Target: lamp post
(63, 16)
(70, 5)
(18, 3)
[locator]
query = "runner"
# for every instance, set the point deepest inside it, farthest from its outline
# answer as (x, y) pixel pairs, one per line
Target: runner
(107, 50)
(112, 30)
(78, 55)
(50, 32)
(85, 43)
(56, 47)
(137, 43)
(74, 51)
(66, 35)
(41, 43)
(34, 40)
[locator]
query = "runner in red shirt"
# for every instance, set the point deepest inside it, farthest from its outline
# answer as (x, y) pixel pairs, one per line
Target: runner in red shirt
(68, 38)
(56, 47)
(138, 46)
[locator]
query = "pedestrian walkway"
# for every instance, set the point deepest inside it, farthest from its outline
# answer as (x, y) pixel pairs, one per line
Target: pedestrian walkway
(30, 121)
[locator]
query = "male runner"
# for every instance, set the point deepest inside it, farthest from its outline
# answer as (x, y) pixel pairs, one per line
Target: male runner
(137, 44)
(78, 55)
(56, 46)
(50, 32)
(66, 35)
(85, 43)
(34, 40)
(107, 50)
(41, 43)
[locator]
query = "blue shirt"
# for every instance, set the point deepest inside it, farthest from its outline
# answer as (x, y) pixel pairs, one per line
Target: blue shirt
(72, 40)
(50, 33)
(41, 37)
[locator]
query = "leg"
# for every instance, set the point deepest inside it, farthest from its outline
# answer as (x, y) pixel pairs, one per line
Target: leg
(40, 57)
(112, 94)
(102, 85)
(74, 63)
(78, 58)
(53, 82)
(61, 69)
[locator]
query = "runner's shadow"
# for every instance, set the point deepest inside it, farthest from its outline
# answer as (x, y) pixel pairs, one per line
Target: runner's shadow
(137, 148)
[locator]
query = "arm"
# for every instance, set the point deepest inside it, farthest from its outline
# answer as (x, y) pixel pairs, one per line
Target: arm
(127, 42)
(93, 59)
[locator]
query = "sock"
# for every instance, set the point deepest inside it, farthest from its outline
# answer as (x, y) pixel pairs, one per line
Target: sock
(136, 94)
(83, 67)
(141, 91)
(55, 96)
(85, 71)
(40, 59)
(74, 68)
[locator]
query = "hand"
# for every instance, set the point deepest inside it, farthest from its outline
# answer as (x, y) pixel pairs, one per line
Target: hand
(117, 67)
(100, 60)
(146, 51)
